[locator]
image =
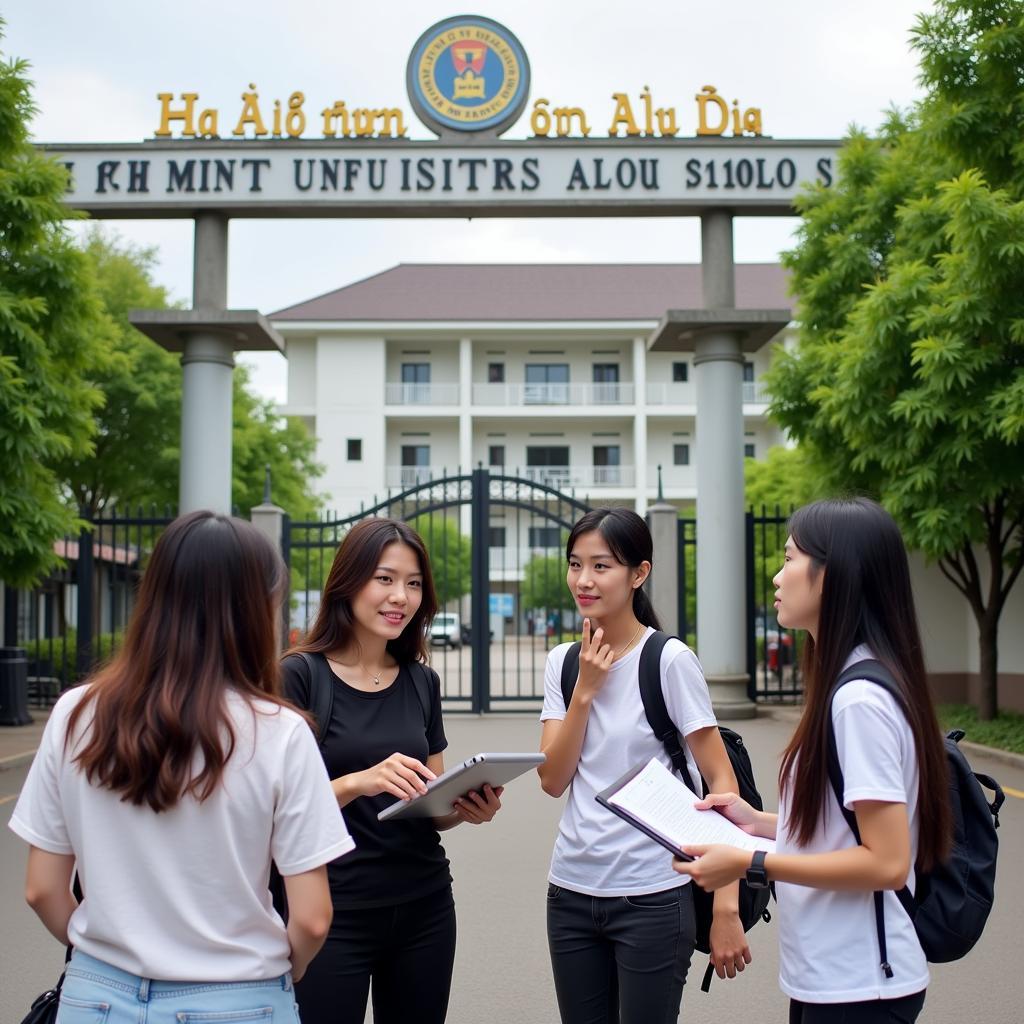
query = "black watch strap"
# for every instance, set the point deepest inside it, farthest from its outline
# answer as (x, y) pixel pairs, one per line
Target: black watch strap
(757, 874)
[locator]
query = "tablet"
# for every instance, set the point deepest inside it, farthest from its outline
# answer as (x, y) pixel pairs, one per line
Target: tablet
(478, 771)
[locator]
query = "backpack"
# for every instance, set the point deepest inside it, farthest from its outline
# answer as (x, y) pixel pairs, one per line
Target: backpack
(951, 903)
(321, 706)
(753, 903)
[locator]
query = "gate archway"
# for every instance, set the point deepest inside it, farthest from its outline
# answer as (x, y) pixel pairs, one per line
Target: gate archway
(497, 548)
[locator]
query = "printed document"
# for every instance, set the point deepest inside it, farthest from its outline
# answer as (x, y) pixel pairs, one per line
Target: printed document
(665, 804)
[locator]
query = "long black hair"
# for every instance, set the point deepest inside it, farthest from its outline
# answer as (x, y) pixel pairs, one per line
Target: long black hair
(866, 598)
(629, 540)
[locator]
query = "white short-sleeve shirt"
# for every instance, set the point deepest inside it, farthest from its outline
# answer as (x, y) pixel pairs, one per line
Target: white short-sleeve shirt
(596, 852)
(182, 895)
(828, 940)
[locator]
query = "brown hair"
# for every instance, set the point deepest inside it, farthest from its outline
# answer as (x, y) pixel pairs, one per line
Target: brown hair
(354, 565)
(866, 598)
(205, 620)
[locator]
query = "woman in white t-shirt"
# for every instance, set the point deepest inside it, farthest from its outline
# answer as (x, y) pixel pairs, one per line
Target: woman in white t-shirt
(168, 783)
(846, 582)
(621, 928)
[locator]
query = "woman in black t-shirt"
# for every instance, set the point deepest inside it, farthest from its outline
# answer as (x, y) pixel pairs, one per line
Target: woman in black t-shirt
(394, 916)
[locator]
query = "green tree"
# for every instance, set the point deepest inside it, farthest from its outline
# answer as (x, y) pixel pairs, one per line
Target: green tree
(543, 586)
(52, 337)
(136, 455)
(450, 555)
(908, 378)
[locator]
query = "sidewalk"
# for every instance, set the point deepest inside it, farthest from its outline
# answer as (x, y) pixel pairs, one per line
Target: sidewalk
(18, 742)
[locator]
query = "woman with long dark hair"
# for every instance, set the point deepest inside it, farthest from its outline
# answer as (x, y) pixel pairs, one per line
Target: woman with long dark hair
(394, 916)
(168, 782)
(621, 927)
(846, 582)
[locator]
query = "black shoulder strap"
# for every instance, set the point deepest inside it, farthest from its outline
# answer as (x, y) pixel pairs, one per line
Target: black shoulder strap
(875, 672)
(321, 696)
(570, 671)
(653, 698)
(422, 683)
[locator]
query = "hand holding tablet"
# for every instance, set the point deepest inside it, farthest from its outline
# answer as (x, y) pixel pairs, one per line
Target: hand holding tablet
(466, 781)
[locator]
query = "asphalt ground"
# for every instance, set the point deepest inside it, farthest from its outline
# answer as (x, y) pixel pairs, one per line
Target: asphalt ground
(502, 973)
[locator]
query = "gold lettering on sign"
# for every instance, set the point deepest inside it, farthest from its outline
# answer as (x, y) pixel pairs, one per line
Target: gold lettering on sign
(623, 116)
(713, 115)
(185, 113)
(250, 114)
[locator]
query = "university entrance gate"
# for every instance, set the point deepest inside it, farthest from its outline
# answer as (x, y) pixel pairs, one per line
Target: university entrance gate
(497, 552)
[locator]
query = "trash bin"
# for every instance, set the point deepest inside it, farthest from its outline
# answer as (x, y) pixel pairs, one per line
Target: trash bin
(14, 687)
(773, 656)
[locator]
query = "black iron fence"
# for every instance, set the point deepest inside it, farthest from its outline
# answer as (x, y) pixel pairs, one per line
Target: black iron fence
(75, 618)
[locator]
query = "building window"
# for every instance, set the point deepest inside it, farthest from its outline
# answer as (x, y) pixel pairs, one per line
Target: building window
(680, 455)
(496, 455)
(496, 536)
(748, 373)
(680, 373)
(607, 464)
(749, 451)
(495, 373)
(415, 464)
(548, 464)
(546, 384)
(606, 382)
(545, 537)
(355, 449)
(415, 383)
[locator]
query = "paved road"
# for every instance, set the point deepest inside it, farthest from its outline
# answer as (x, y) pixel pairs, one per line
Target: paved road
(502, 974)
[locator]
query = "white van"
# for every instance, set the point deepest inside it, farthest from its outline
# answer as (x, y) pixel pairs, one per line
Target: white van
(446, 630)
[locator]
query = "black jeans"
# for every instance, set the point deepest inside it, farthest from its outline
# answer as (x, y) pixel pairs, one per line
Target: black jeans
(620, 958)
(406, 951)
(873, 1011)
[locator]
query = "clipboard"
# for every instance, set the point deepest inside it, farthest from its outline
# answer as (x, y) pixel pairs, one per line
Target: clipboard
(473, 774)
(604, 799)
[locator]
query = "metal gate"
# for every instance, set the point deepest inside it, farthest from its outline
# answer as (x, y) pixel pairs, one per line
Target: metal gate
(497, 552)
(773, 653)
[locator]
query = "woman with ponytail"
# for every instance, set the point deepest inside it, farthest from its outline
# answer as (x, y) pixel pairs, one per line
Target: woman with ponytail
(621, 927)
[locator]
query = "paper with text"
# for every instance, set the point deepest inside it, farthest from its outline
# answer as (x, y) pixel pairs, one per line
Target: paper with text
(665, 804)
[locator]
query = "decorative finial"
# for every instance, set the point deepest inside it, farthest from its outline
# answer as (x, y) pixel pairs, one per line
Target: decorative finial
(266, 484)
(661, 489)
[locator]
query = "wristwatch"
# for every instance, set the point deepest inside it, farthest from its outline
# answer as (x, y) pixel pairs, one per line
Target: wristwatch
(757, 874)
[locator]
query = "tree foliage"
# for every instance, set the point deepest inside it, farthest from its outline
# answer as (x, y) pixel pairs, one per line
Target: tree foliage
(450, 551)
(136, 455)
(907, 381)
(544, 586)
(52, 338)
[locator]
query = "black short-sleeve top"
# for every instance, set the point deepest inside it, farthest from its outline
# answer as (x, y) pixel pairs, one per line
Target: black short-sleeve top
(393, 861)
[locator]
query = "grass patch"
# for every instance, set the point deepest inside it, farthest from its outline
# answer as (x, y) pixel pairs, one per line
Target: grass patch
(1006, 731)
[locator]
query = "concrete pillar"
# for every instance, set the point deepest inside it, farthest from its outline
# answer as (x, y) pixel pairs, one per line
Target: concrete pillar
(721, 593)
(268, 518)
(640, 423)
(663, 584)
(207, 364)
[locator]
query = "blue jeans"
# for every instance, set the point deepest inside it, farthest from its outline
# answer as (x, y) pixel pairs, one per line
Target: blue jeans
(96, 993)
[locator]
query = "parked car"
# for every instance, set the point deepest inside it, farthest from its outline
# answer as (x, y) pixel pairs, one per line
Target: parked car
(445, 630)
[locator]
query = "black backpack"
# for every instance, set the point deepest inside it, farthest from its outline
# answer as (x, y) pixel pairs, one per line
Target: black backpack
(952, 902)
(753, 903)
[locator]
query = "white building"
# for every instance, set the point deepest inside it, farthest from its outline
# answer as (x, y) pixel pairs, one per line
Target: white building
(542, 369)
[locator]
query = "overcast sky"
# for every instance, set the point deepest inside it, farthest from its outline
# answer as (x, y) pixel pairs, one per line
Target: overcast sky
(813, 67)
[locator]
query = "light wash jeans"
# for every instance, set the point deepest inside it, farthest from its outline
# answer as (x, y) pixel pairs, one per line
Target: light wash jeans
(96, 993)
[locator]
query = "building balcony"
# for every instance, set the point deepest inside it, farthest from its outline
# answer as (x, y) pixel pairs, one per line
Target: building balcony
(563, 477)
(445, 393)
(662, 392)
(553, 394)
(755, 393)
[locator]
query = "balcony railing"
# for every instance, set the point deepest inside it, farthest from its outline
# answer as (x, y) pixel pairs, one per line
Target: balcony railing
(446, 393)
(620, 393)
(410, 476)
(561, 477)
(755, 393)
(671, 393)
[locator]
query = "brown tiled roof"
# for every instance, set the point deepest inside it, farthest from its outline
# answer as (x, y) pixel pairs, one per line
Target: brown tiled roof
(531, 291)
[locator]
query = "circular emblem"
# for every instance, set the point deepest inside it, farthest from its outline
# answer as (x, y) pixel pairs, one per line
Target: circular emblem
(468, 74)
